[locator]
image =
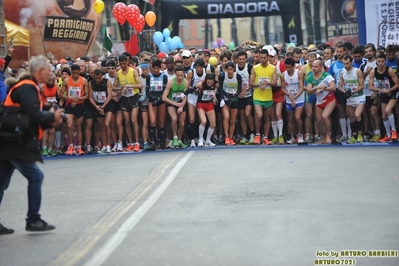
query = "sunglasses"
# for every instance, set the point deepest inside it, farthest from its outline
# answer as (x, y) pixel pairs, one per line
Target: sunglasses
(185, 57)
(110, 68)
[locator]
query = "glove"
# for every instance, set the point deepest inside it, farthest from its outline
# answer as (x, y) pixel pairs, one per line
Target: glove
(348, 94)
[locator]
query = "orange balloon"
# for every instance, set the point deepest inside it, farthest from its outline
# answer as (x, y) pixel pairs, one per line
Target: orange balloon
(150, 18)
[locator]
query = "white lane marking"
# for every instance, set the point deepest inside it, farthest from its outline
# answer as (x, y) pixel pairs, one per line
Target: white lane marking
(101, 255)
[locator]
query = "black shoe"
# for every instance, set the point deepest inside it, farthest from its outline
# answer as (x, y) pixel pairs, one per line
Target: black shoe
(38, 225)
(5, 230)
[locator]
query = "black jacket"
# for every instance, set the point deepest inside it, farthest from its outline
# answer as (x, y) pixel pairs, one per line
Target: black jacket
(27, 150)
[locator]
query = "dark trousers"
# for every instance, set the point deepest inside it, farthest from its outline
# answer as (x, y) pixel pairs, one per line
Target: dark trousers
(35, 179)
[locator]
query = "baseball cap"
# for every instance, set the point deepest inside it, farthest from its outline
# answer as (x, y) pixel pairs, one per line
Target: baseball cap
(68, 58)
(199, 62)
(63, 61)
(186, 53)
(290, 45)
(162, 55)
(2, 62)
(270, 49)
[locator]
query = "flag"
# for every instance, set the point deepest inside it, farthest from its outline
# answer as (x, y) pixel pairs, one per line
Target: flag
(151, 2)
(107, 43)
(132, 46)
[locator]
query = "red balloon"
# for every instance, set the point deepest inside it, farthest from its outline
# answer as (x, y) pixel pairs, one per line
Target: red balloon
(140, 23)
(119, 12)
(133, 13)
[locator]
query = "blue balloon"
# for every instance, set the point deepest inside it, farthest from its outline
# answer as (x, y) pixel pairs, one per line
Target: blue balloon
(157, 37)
(166, 33)
(163, 47)
(180, 45)
(169, 43)
(177, 39)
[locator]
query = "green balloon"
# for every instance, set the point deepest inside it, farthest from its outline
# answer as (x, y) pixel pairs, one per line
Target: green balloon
(232, 46)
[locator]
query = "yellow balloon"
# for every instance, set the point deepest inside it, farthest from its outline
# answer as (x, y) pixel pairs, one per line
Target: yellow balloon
(98, 6)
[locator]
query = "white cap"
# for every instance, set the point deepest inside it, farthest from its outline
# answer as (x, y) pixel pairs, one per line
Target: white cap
(186, 53)
(270, 49)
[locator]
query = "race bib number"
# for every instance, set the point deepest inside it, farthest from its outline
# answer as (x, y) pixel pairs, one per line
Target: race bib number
(208, 95)
(99, 96)
(129, 90)
(263, 79)
(350, 86)
(74, 91)
(156, 86)
(384, 84)
(177, 97)
(51, 99)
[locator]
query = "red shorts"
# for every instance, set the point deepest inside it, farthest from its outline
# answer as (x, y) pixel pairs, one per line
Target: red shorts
(329, 99)
(206, 106)
(278, 97)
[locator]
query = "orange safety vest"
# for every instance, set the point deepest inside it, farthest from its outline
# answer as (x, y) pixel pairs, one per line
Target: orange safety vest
(8, 101)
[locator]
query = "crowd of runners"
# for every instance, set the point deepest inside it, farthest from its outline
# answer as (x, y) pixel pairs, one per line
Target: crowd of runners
(257, 94)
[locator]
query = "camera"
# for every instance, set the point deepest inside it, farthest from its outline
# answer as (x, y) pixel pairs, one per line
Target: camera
(56, 106)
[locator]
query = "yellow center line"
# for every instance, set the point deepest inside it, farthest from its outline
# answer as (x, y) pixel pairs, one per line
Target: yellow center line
(94, 234)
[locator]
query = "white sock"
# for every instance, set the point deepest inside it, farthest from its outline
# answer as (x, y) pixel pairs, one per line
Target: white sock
(387, 128)
(209, 134)
(274, 128)
(342, 122)
(201, 130)
(348, 125)
(280, 127)
(377, 132)
(391, 120)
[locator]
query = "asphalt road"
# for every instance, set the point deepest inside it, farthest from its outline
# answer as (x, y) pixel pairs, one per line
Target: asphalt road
(241, 206)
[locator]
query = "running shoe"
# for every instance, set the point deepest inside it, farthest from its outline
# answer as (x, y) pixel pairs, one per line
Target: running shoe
(210, 144)
(317, 138)
(130, 147)
(227, 141)
(145, 145)
(244, 141)
(169, 144)
(45, 152)
(360, 138)
(376, 138)
(79, 151)
(182, 145)
(307, 138)
(273, 141)
(70, 150)
(175, 142)
(352, 140)
(257, 139)
(108, 149)
(89, 149)
(220, 140)
(251, 139)
(386, 139)
(280, 139)
(136, 147)
(114, 147)
(201, 143)
(119, 147)
(291, 141)
(52, 153)
(232, 142)
(394, 135)
(103, 149)
(300, 139)
(192, 144)
(343, 139)
(266, 141)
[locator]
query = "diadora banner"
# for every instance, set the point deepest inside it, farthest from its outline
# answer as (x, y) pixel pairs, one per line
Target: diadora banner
(173, 11)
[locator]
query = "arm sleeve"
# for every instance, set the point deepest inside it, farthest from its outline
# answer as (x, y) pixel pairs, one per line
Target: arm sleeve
(239, 81)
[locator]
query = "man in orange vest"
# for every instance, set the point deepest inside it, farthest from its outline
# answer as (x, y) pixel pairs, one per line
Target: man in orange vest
(23, 155)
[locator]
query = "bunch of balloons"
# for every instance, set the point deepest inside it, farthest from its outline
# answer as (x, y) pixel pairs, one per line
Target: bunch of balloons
(131, 14)
(165, 42)
(218, 43)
